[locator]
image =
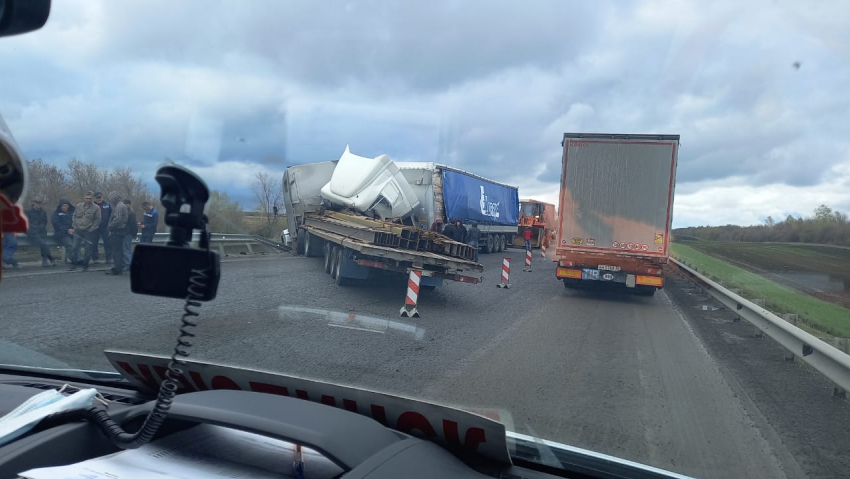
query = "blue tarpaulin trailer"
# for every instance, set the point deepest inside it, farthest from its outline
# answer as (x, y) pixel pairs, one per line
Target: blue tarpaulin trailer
(451, 193)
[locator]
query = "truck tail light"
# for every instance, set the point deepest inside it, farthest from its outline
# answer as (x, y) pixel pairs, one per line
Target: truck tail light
(568, 264)
(568, 273)
(653, 270)
(650, 281)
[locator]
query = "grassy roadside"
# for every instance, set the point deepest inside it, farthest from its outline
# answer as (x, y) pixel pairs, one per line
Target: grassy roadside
(817, 314)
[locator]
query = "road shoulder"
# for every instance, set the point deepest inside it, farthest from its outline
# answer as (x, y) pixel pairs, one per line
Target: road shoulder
(792, 404)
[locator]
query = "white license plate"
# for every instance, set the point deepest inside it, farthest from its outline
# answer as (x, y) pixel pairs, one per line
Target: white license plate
(604, 267)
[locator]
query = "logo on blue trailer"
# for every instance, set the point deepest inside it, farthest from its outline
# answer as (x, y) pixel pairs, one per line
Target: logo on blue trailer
(488, 208)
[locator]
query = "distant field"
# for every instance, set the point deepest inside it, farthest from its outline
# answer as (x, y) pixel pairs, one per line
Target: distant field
(749, 266)
(817, 270)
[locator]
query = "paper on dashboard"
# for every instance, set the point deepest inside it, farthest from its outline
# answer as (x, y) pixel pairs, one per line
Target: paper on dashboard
(200, 452)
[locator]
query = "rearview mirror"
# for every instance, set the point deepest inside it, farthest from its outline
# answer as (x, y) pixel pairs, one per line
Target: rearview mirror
(22, 16)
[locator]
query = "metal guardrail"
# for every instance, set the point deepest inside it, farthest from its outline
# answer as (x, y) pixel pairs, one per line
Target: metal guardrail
(826, 359)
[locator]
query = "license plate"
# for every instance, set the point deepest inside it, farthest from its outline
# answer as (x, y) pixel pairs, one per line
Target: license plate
(590, 274)
(605, 267)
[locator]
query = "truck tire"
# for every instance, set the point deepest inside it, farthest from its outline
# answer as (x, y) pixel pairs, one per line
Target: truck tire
(489, 245)
(300, 242)
(334, 255)
(338, 278)
(308, 245)
(328, 258)
(503, 243)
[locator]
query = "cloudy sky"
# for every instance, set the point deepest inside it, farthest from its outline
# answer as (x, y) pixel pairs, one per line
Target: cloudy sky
(759, 94)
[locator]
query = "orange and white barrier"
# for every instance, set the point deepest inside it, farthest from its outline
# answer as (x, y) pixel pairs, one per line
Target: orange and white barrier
(506, 273)
(527, 260)
(409, 309)
(543, 250)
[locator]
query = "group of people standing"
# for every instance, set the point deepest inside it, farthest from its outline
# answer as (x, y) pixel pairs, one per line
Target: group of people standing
(80, 229)
(456, 231)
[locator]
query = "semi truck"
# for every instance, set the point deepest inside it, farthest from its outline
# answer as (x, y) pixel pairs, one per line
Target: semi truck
(616, 208)
(537, 216)
(356, 214)
(448, 193)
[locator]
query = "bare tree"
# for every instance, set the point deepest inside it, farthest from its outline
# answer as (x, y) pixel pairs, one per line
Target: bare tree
(85, 177)
(225, 215)
(128, 185)
(269, 197)
(47, 180)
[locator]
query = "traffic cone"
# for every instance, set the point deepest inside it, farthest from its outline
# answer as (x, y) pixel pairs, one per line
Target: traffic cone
(409, 309)
(506, 273)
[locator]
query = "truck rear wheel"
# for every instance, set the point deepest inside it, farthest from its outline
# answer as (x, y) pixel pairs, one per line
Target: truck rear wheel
(312, 245)
(328, 258)
(503, 243)
(308, 244)
(334, 254)
(300, 241)
(340, 258)
(489, 247)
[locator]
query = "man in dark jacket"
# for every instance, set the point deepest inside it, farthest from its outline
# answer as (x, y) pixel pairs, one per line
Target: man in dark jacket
(449, 230)
(116, 231)
(105, 213)
(473, 236)
(37, 232)
(129, 233)
(63, 222)
(459, 233)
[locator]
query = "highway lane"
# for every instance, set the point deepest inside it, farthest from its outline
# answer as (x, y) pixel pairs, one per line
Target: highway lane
(619, 374)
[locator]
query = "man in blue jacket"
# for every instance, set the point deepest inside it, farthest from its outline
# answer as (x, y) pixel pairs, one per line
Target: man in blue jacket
(149, 223)
(105, 212)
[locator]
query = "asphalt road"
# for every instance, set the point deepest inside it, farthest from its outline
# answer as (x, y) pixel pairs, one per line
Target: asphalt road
(620, 374)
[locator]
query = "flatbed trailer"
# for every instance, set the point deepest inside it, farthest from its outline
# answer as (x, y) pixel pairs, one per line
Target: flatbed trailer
(355, 247)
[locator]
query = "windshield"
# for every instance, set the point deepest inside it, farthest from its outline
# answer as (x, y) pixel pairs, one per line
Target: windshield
(366, 161)
(529, 209)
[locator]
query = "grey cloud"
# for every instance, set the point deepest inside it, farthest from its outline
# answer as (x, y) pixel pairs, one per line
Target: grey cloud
(490, 87)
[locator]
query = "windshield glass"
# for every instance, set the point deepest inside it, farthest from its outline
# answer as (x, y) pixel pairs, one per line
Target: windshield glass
(529, 209)
(366, 161)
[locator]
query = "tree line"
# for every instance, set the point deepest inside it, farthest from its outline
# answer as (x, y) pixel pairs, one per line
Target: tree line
(72, 181)
(824, 226)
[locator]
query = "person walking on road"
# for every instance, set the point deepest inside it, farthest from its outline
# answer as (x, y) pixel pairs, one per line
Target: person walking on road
(473, 236)
(129, 233)
(105, 213)
(62, 220)
(116, 230)
(87, 219)
(10, 244)
(459, 233)
(526, 235)
(37, 231)
(149, 223)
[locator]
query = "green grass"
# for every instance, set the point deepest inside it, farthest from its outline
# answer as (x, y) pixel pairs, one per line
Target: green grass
(819, 315)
